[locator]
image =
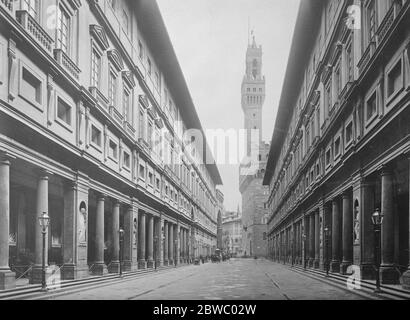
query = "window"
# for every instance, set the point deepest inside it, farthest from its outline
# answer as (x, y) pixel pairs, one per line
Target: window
(126, 160)
(328, 157)
(157, 183)
(32, 7)
(112, 3)
(337, 147)
(126, 104)
(95, 68)
(63, 111)
(371, 20)
(150, 132)
(141, 124)
(157, 80)
(140, 50)
(149, 66)
(113, 150)
(125, 22)
(63, 29)
(31, 86)
(371, 107)
(338, 79)
(142, 172)
(112, 88)
(150, 179)
(349, 133)
(395, 79)
(95, 136)
(350, 62)
(328, 96)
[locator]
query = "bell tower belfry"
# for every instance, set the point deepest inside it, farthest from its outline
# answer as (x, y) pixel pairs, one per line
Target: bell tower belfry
(253, 91)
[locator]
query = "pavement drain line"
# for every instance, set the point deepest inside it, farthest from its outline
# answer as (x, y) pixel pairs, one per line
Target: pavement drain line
(277, 286)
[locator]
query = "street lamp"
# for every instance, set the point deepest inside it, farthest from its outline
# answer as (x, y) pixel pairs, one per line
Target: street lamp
(327, 235)
(44, 221)
(292, 252)
(377, 219)
(175, 252)
(304, 250)
(121, 233)
(155, 251)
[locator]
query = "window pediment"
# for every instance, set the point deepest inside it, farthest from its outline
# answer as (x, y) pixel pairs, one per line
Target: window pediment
(129, 78)
(100, 36)
(143, 99)
(116, 59)
(160, 123)
(327, 72)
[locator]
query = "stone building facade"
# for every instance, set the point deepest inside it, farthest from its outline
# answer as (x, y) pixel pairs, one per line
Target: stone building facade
(341, 143)
(93, 114)
(232, 233)
(252, 169)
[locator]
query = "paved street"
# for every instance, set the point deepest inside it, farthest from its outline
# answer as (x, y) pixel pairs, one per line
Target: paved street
(233, 280)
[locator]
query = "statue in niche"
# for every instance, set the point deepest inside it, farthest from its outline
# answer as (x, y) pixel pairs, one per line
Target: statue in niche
(82, 223)
(356, 224)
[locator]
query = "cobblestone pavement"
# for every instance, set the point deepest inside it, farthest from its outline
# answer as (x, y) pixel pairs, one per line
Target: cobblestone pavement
(232, 280)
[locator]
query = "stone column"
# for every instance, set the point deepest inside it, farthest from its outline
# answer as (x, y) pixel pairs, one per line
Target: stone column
(347, 233)
(388, 271)
(7, 278)
(321, 217)
(363, 247)
(41, 207)
(114, 266)
(183, 252)
(150, 244)
(158, 224)
(335, 264)
(177, 246)
(99, 267)
(406, 275)
(75, 231)
(142, 264)
(171, 243)
(316, 262)
(166, 243)
(127, 245)
(312, 240)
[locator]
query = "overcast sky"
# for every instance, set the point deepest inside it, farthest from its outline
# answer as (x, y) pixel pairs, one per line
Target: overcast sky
(210, 38)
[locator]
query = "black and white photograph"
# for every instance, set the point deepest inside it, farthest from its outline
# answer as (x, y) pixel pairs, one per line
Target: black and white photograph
(204, 155)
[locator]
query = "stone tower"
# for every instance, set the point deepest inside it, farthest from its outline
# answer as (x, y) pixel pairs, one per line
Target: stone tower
(253, 192)
(253, 92)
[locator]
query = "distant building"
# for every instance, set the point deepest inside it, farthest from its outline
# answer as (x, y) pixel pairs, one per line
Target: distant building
(254, 194)
(220, 214)
(232, 233)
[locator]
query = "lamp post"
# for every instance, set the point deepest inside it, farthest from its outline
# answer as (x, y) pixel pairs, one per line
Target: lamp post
(304, 250)
(292, 252)
(121, 235)
(44, 221)
(175, 252)
(327, 264)
(155, 251)
(377, 219)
